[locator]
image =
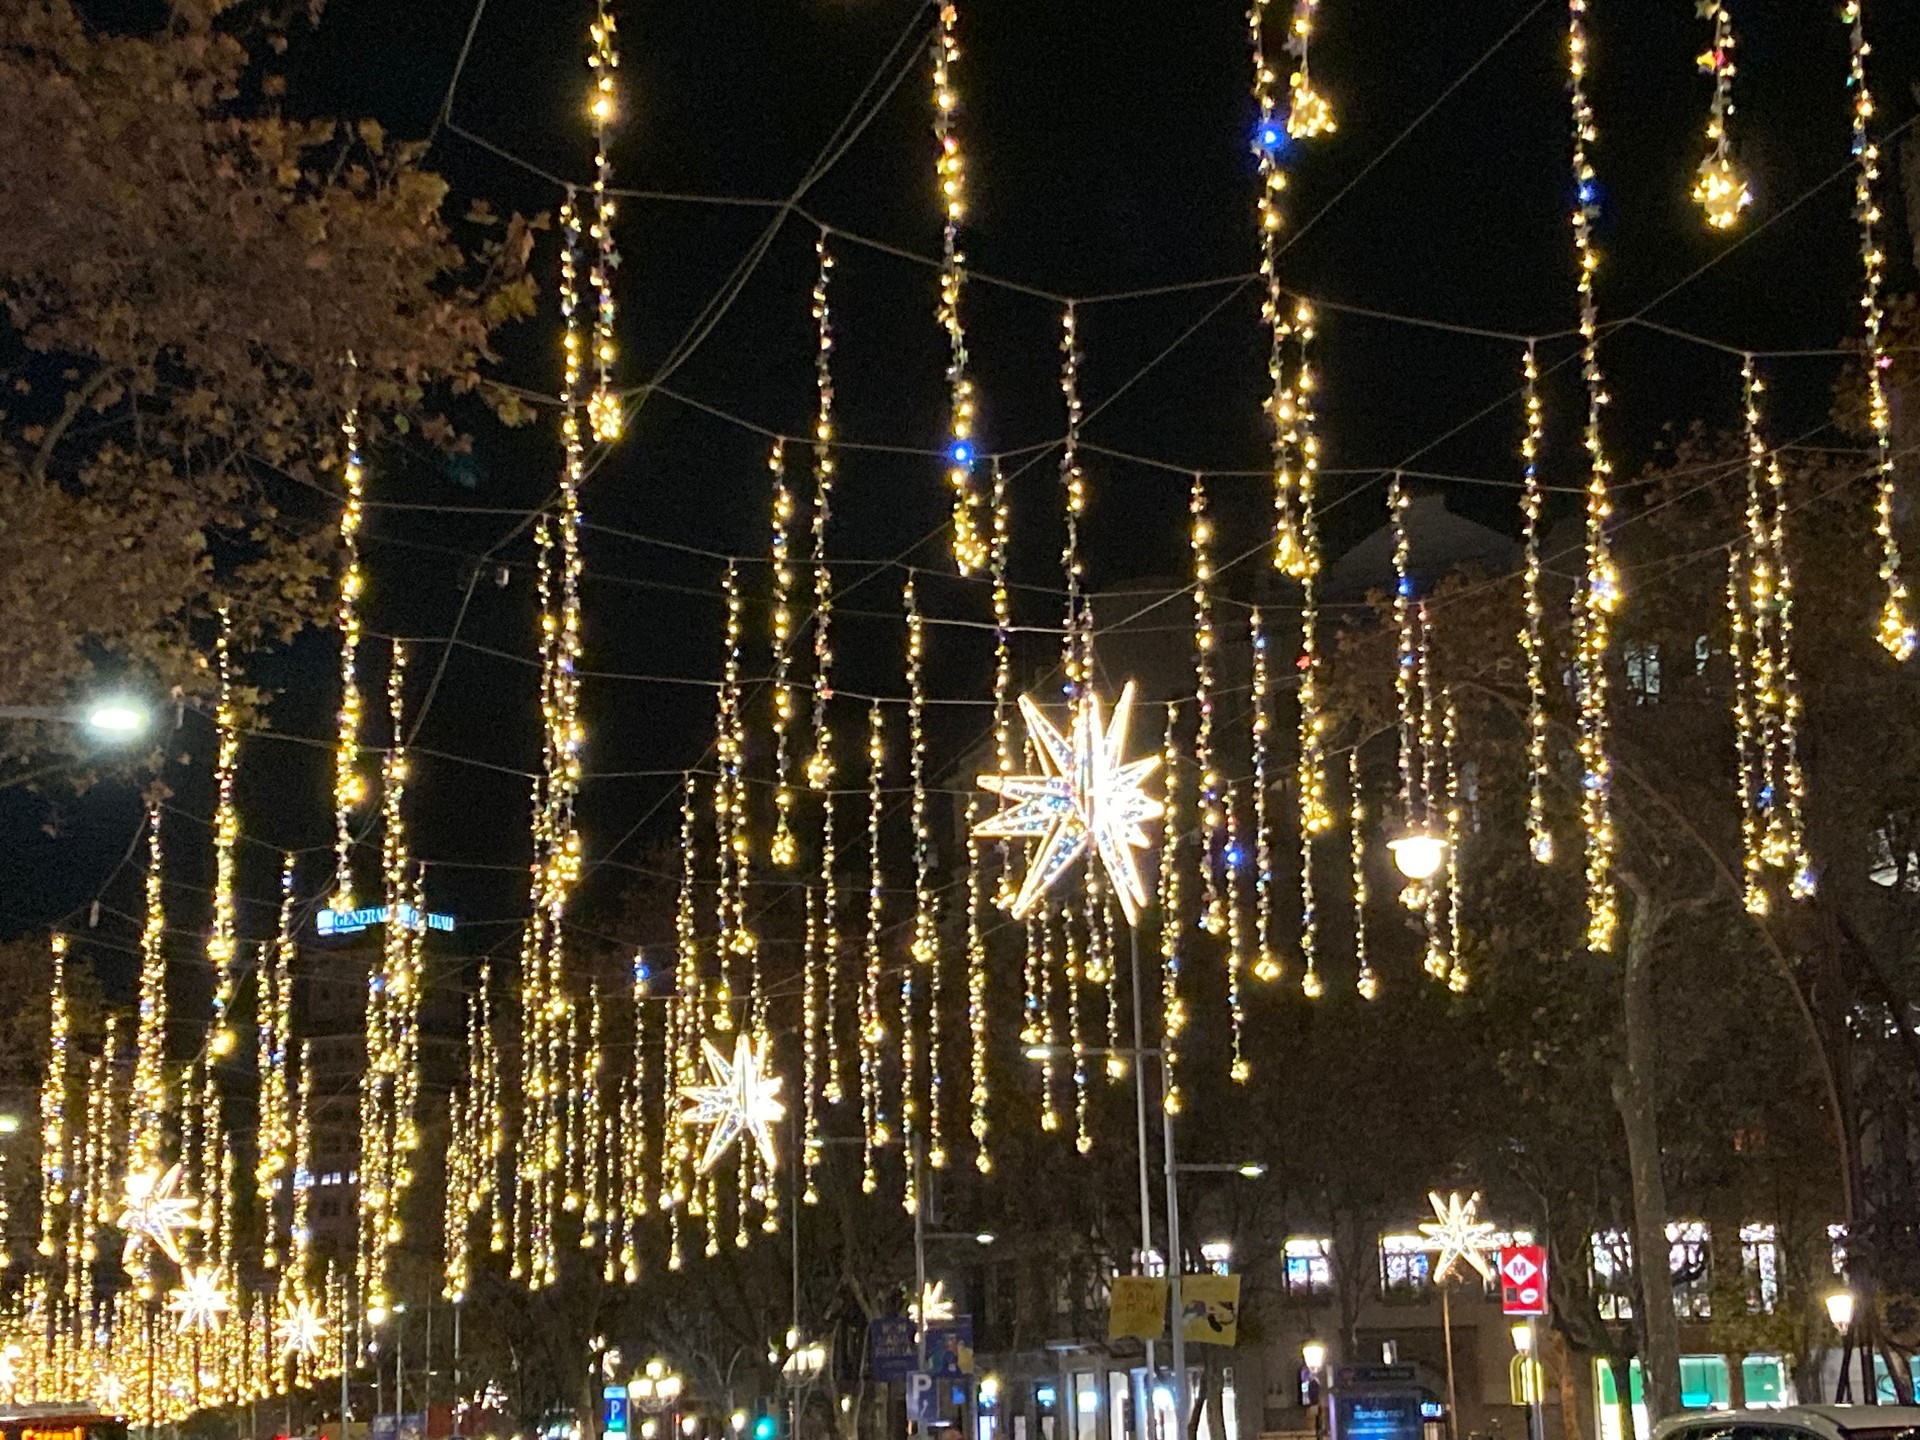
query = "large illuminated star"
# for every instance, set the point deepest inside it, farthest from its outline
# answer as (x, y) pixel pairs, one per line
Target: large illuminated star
(201, 1298)
(1459, 1234)
(936, 1304)
(1087, 795)
(302, 1330)
(743, 1099)
(153, 1209)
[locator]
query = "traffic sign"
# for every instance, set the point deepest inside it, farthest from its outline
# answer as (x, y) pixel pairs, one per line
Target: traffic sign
(1523, 1279)
(923, 1404)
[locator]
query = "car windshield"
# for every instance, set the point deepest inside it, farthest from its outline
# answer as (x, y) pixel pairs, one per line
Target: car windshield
(1882, 1432)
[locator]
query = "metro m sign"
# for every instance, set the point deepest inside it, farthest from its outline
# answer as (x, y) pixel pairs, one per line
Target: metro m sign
(1523, 1279)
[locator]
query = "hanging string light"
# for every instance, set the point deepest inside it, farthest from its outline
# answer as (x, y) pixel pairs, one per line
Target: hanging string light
(1073, 972)
(349, 789)
(829, 953)
(1719, 188)
(636, 1168)
(1303, 443)
(1414, 725)
(226, 836)
(872, 1030)
(589, 1188)
(969, 549)
(1046, 962)
(820, 762)
(1173, 1010)
(274, 1146)
(1213, 916)
(1238, 1068)
(1431, 780)
(1005, 891)
(1310, 114)
(811, 1025)
(1767, 701)
(1077, 645)
(1365, 980)
(927, 950)
(977, 1093)
(1896, 630)
(1456, 970)
(603, 406)
(1532, 638)
(148, 1101)
(1266, 967)
(55, 1084)
(783, 850)
(729, 807)
(1597, 593)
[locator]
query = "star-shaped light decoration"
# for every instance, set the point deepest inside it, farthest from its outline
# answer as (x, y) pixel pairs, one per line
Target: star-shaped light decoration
(743, 1099)
(935, 1303)
(10, 1369)
(302, 1330)
(152, 1209)
(201, 1298)
(1457, 1232)
(1087, 795)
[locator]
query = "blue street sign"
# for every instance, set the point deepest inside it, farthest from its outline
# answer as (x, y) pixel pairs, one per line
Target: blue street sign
(615, 1421)
(950, 1346)
(923, 1402)
(892, 1349)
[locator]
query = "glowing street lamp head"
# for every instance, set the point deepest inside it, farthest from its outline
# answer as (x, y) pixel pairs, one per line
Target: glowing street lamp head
(1418, 854)
(116, 717)
(1840, 1310)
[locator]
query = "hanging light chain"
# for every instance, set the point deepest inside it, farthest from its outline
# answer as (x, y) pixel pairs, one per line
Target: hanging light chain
(783, 850)
(969, 548)
(1532, 637)
(1719, 188)
(603, 406)
(820, 762)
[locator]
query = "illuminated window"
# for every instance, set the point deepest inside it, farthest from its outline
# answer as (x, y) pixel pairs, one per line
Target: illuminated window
(1690, 1261)
(1613, 1274)
(1643, 671)
(1406, 1267)
(1763, 1382)
(1705, 1383)
(1309, 1265)
(1837, 1239)
(1760, 1268)
(1217, 1254)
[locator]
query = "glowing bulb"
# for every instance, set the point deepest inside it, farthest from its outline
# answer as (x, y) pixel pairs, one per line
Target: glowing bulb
(1417, 854)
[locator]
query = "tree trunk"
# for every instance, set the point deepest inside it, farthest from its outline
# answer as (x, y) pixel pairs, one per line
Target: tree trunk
(1633, 1096)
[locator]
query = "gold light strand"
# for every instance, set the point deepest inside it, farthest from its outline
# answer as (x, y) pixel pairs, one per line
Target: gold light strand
(603, 406)
(273, 1151)
(349, 788)
(226, 835)
(149, 1101)
(977, 1029)
(637, 1172)
(55, 1084)
(832, 1030)
(591, 1104)
(1316, 817)
(1719, 188)
(1268, 137)
(1238, 1068)
(925, 946)
(1213, 915)
(463, 1163)
(1077, 646)
(1456, 834)
(1074, 970)
(1532, 640)
(1173, 1010)
(1266, 967)
(872, 1030)
(729, 808)
(1002, 667)
(1597, 594)
(969, 548)
(927, 949)
(1045, 965)
(1309, 114)
(1767, 700)
(820, 762)
(1432, 779)
(1311, 985)
(1406, 677)
(810, 1028)
(1365, 980)
(1895, 631)
(687, 1018)
(783, 850)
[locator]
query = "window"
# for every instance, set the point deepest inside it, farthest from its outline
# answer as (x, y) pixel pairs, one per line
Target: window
(1689, 1261)
(1643, 671)
(1405, 1267)
(1705, 1383)
(1837, 1239)
(1613, 1274)
(1217, 1255)
(1760, 1268)
(1309, 1265)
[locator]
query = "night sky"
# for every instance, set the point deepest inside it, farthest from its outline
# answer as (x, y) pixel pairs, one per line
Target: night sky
(1107, 151)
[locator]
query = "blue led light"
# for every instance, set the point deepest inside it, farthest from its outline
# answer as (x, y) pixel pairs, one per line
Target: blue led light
(1270, 135)
(961, 452)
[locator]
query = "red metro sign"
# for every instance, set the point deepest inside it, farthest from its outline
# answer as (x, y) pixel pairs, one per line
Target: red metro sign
(1523, 1279)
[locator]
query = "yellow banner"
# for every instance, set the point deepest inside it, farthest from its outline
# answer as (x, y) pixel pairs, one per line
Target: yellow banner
(1210, 1309)
(1138, 1308)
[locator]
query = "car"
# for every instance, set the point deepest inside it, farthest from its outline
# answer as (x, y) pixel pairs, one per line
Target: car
(1796, 1422)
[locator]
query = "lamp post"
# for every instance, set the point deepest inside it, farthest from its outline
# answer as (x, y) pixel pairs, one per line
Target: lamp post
(1841, 1309)
(113, 717)
(1525, 1342)
(1313, 1354)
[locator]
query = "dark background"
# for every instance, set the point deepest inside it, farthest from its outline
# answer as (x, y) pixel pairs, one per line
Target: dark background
(1106, 148)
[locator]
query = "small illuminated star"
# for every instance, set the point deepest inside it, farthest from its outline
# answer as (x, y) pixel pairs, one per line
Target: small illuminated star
(10, 1369)
(1459, 1234)
(153, 1209)
(201, 1298)
(743, 1099)
(1087, 795)
(302, 1330)
(934, 1302)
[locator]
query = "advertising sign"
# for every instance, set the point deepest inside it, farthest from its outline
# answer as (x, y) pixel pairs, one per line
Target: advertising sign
(891, 1348)
(1137, 1308)
(1210, 1309)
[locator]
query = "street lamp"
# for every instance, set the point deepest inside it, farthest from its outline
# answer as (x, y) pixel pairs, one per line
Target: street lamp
(1418, 854)
(9, 1124)
(1840, 1310)
(115, 717)
(1247, 1169)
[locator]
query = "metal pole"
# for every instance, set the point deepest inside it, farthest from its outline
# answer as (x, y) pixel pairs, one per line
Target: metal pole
(399, 1368)
(1140, 1126)
(1536, 1381)
(1181, 1402)
(456, 1364)
(1446, 1330)
(346, 1364)
(919, 1253)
